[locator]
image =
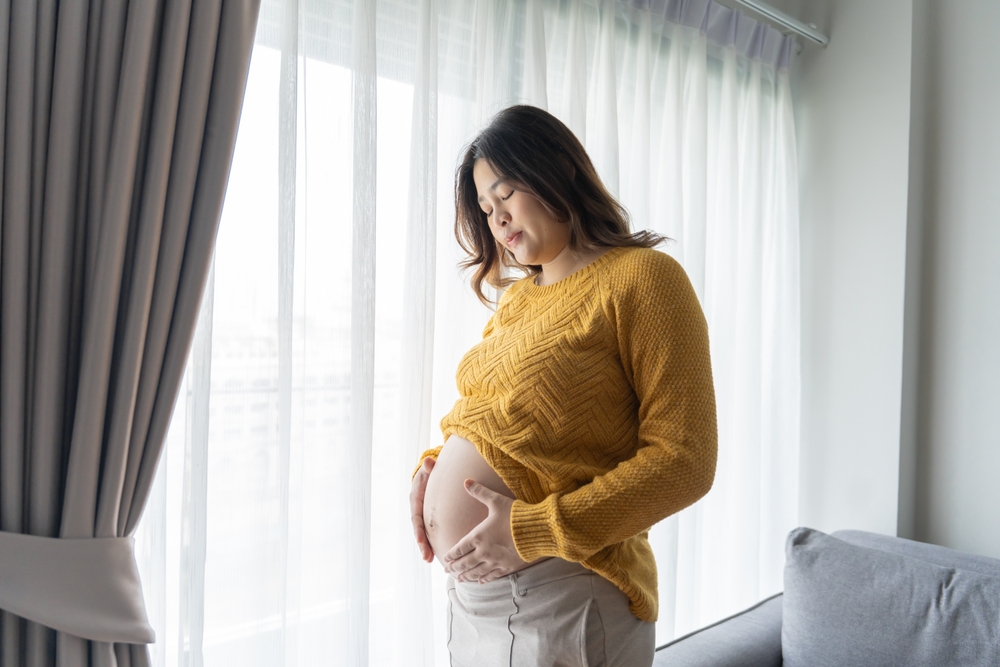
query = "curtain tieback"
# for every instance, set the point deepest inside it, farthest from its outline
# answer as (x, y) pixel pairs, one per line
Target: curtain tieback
(86, 587)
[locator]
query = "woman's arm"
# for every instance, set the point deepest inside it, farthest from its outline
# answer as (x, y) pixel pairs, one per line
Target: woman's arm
(663, 344)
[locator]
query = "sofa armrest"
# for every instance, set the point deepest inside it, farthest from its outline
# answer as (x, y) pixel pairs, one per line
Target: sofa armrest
(751, 638)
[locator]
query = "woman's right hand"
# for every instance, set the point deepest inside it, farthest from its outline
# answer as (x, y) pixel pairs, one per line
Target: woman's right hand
(417, 508)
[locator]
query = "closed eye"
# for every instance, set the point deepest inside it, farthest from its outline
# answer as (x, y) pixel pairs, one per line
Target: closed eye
(489, 213)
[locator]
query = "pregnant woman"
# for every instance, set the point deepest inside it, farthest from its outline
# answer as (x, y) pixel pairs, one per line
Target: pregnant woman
(586, 413)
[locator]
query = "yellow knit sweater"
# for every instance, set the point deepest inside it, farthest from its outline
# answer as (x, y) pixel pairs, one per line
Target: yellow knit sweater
(592, 398)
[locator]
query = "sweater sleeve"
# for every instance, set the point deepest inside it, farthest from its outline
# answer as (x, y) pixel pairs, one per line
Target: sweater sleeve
(663, 345)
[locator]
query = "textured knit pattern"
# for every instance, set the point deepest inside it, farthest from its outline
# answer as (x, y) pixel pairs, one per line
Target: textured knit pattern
(592, 398)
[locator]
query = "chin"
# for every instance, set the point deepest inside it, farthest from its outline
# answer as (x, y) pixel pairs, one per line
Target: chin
(527, 257)
(520, 257)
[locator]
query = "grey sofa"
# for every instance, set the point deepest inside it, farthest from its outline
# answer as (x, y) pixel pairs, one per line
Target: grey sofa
(856, 599)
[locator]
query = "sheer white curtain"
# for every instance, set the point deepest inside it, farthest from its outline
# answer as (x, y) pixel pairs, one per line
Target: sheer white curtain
(335, 316)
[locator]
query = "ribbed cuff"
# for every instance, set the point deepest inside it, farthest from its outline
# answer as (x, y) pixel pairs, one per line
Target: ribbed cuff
(531, 527)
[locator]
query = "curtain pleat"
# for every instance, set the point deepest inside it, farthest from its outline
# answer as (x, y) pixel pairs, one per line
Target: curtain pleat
(573, 109)
(362, 328)
(494, 82)
(336, 316)
(781, 323)
(534, 89)
(602, 101)
(636, 173)
(194, 508)
(695, 171)
(49, 426)
(14, 291)
(175, 292)
(411, 624)
(288, 137)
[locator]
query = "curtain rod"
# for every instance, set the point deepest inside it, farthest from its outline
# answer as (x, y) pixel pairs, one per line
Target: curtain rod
(810, 32)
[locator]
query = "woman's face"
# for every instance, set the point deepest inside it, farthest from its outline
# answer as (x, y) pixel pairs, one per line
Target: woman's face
(518, 219)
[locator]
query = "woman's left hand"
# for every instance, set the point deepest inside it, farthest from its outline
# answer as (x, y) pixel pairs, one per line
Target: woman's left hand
(488, 551)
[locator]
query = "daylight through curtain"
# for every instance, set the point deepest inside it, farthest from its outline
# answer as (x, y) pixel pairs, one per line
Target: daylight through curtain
(335, 316)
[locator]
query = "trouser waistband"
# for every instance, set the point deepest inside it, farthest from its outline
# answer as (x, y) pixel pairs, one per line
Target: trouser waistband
(521, 582)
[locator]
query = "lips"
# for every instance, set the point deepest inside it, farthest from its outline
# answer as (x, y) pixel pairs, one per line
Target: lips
(512, 239)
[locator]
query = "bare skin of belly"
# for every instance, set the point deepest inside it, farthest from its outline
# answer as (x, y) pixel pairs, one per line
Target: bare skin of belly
(449, 511)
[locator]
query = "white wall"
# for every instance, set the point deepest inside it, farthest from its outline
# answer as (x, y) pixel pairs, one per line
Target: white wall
(853, 108)
(899, 130)
(956, 490)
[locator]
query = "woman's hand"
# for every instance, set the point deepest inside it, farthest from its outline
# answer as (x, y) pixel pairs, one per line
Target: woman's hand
(487, 552)
(417, 508)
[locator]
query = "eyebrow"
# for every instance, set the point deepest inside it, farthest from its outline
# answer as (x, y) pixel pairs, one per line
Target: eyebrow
(492, 187)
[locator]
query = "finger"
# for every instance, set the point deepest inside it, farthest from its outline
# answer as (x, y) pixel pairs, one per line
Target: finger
(419, 484)
(464, 547)
(492, 575)
(474, 572)
(481, 493)
(426, 552)
(417, 518)
(417, 495)
(467, 562)
(463, 565)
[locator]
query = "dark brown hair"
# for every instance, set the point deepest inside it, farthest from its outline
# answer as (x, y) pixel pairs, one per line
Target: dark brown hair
(535, 150)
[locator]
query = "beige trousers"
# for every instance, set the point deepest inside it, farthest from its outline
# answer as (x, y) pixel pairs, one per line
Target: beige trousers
(551, 614)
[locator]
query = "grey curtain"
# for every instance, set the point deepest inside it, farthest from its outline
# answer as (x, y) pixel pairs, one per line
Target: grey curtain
(117, 132)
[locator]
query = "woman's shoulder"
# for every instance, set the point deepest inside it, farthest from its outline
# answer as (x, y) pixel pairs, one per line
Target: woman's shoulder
(645, 287)
(638, 267)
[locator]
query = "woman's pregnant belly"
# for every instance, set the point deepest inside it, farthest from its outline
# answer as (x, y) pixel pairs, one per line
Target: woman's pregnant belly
(449, 511)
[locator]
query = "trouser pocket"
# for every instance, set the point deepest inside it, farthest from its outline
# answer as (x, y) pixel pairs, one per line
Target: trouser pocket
(479, 634)
(462, 634)
(558, 625)
(592, 639)
(626, 641)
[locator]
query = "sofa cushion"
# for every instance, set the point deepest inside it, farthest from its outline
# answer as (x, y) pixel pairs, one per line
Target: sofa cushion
(846, 604)
(929, 553)
(751, 638)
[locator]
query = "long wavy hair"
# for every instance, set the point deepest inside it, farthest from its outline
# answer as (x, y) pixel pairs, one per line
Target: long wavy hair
(536, 151)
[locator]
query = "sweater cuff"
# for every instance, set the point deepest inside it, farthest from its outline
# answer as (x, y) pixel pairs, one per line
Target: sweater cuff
(432, 453)
(531, 527)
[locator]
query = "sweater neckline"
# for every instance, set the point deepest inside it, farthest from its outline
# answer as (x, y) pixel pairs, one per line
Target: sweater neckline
(573, 278)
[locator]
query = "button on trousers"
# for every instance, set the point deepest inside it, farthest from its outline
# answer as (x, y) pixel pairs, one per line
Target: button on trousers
(551, 614)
